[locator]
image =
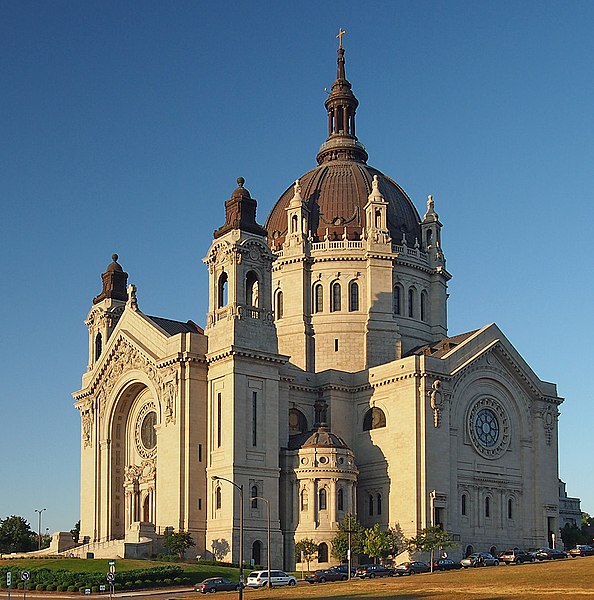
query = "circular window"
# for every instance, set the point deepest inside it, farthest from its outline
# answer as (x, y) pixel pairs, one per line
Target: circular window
(146, 435)
(323, 460)
(489, 428)
(341, 460)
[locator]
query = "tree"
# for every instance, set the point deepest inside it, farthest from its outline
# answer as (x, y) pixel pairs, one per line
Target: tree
(178, 543)
(16, 535)
(429, 540)
(75, 531)
(306, 548)
(573, 535)
(396, 542)
(379, 543)
(340, 543)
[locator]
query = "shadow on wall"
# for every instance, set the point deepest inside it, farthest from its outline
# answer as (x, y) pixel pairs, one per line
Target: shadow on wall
(220, 549)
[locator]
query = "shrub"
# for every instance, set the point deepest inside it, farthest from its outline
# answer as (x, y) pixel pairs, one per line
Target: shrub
(82, 589)
(50, 587)
(167, 581)
(71, 588)
(61, 588)
(40, 587)
(94, 589)
(147, 583)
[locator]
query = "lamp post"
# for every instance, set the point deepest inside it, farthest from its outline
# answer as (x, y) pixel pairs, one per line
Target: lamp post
(240, 488)
(269, 583)
(39, 511)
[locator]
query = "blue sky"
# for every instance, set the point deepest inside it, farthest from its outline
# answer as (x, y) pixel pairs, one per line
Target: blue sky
(124, 125)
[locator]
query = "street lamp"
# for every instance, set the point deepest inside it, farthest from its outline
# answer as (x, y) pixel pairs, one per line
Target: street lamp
(240, 488)
(39, 511)
(269, 583)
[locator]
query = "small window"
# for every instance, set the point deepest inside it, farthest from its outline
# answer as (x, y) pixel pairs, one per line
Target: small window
(370, 499)
(335, 298)
(254, 494)
(379, 504)
(222, 290)
(335, 344)
(297, 422)
(353, 296)
(374, 419)
(510, 509)
(98, 346)
(423, 306)
(219, 420)
(340, 499)
(411, 302)
(304, 501)
(464, 507)
(323, 499)
(487, 507)
(397, 300)
(199, 503)
(199, 452)
(318, 298)
(294, 221)
(279, 305)
(218, 498)
(252, 289)
(254, 418)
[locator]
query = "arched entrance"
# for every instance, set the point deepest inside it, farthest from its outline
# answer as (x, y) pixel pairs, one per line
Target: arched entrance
(469, 550)
(257, 552)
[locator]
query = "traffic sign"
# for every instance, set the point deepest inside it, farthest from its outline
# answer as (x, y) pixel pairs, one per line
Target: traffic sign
(110, 577)
(112, 566)
(25, 575)
(8, 578)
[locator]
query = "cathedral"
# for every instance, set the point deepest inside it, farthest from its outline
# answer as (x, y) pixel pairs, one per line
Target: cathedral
(324, 383)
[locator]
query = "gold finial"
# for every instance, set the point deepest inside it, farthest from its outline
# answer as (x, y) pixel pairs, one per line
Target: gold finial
(341, 32)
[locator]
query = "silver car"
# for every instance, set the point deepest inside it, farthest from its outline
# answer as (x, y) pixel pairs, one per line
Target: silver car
(479, 559)
(260, 578)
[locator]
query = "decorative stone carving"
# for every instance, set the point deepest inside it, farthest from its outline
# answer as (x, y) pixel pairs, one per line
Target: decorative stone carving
(489, 427)
(169, 397)
(86, 414)
(436, 401)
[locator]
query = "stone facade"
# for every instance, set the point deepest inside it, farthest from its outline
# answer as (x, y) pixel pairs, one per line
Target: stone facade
(324, 382)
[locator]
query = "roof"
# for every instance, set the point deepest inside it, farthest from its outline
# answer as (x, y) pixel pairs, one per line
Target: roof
(443, 346)
(175, 327)
(321, 437)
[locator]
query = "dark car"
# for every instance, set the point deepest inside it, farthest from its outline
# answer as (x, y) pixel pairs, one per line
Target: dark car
(411, 568)
(516, 556)
(323, 575)
(446, 564)
(216, 584)
(582, 550)
(371, 571)
(549, 554)
(344, 569)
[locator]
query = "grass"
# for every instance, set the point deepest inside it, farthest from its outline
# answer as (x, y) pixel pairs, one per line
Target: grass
(571, 579)
(78, 565)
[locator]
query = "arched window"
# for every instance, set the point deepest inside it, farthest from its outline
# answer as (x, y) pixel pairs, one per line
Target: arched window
(340, 499)
(297, 422)
(510, 509)
(370, 507)
(304, 501)
(222, 290)
(279, 305)
(257, 552)
(218, 498)
(335, 297)
(254, 492)
(98, 346)
(379, 504)
(353, 296)
(252, 289)
(487, 507)
(429, 237)
(397, 300)
(374, 419)
(469, 550)
(464, 507)
(323, 553)
(411, 302)
(323, 497)
(294, 222)
(423, 306)
(318, 298)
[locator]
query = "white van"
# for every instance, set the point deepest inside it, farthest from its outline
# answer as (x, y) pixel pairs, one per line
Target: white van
(260, 578)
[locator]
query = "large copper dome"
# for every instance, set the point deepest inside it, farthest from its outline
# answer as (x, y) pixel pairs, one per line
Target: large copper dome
(337, 190)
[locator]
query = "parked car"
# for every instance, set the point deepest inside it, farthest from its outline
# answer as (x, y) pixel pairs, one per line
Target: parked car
(516, 556)
(344, 569)
(410, 568)
(323, 575)
(479, 559)
(446, 564)
(216, 584)
(549, 554)
(372, 571)
(260, 578)
(582, 550)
